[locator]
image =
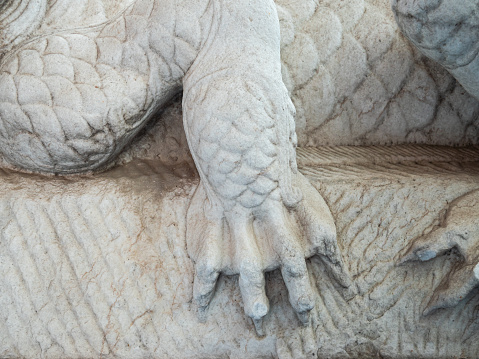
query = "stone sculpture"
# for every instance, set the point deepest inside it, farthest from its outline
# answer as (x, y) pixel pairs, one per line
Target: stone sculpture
(99, 264)
(446, 31)
(70, 101)
(459, 230)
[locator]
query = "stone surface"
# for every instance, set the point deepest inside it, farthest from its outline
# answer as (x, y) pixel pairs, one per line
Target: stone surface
(358, 81)
(362, 83)
(458, 230)
(72, 98)
(400, 76)
(330, 110)
(127, 263)
(98, 264)
(445, 31)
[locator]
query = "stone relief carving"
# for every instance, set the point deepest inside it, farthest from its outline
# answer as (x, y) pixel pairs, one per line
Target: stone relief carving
(445, 31)
(100, 264)
(70, 101)
(459, 230)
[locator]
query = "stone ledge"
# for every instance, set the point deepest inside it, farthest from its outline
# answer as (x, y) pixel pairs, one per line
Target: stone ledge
(96, 266)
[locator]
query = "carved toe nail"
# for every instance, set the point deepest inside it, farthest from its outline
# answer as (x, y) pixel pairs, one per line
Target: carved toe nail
(408, 257)
(304, 317)
(202, 314)
(260, 310)
(425, 255)
(258, 325)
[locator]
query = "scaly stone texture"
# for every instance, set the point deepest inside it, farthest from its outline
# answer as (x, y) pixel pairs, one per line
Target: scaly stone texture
(356, 80)
(446, 32)
(97, 265)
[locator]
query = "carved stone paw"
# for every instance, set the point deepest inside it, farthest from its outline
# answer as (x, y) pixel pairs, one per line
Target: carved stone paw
(460, 230)
(251, 242)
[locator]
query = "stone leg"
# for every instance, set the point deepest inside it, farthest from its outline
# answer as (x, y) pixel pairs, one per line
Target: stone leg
(253, 211)
(71, 101)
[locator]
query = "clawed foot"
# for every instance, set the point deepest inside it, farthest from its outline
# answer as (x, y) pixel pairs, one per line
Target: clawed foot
(460, 230)
(262, 239)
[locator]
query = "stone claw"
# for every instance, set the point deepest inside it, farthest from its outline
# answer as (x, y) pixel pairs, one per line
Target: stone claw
(460, 230)
(426, 248)
(269, 237)
(304, 317)
(202, 313)
(258, 325)
(454, 288)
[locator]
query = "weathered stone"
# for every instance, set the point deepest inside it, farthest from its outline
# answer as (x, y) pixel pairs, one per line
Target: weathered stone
(99, 264)
(200, 200)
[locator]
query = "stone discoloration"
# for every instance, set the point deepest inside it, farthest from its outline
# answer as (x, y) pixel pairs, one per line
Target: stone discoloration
(112, 267)
(74, 98)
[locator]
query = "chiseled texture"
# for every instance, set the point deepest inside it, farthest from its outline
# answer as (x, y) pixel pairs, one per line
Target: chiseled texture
(355, 79)
(71, 99)
(347, 50)
(98, 265)
(253, 212)
(447, 32)
(458, 230)
(19, 19)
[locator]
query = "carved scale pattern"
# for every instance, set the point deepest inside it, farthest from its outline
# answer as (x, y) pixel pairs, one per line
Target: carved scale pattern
(341, 62)
(360, 82)
(71, 100)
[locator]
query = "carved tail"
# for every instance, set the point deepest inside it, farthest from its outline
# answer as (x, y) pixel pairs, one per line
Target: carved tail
(445, 31)
(18, 19)
(70, 101)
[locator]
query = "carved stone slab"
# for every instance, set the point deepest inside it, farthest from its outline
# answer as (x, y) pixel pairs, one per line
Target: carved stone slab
(94, 266)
